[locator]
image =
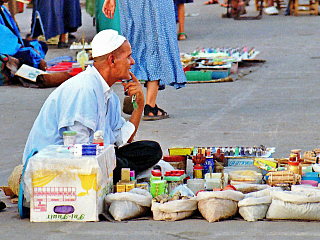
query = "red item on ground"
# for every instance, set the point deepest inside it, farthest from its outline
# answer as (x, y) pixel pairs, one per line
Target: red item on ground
(169, 158)
(156, 173)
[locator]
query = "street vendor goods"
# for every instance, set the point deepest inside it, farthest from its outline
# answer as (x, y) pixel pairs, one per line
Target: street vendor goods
(173, 208)
(294, 205)
(128, 205)
(253, 209)
(218, 205)
(63, 187)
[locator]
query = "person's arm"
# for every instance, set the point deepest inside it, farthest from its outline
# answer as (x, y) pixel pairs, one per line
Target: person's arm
(108, 8)
(134, 88)
(83, 132)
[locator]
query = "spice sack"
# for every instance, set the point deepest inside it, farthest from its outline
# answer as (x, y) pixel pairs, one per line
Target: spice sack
(218, 205)
(128, 205)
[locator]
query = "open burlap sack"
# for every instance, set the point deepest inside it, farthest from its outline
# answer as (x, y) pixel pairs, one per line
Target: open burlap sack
(218, 205)
(14, 179)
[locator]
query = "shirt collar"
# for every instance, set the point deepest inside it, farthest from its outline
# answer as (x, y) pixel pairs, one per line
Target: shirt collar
(104, 84)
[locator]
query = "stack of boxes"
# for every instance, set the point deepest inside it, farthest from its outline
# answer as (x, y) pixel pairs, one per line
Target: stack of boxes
(129, 182)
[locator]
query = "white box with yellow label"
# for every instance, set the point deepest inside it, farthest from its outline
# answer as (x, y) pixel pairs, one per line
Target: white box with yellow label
(63, 187)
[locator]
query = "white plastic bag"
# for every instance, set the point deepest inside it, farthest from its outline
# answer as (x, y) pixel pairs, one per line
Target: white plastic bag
(146, 174)
(218, 205)
(174, 210)
(128, 205)
(253, 209)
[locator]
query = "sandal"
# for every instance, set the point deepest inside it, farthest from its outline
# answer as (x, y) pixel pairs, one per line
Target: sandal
(154, 110)
(182, 34)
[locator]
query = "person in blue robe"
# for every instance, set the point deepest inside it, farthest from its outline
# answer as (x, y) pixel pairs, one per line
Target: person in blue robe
(31, 53)
(52, 18)
(86, 104)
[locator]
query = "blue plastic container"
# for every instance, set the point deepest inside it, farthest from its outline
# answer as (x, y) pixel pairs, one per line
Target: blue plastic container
(217, 74)
(311, 176)
(206, 166)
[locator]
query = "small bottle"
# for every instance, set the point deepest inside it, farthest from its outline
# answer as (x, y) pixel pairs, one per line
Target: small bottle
(236, 151)
(227, 151)
(132, 175)
(259, 152)
(231, 151)
(213, 150)
(197, 171)
(254, 151)
(98, 138)
(195, 151)
(208, 152)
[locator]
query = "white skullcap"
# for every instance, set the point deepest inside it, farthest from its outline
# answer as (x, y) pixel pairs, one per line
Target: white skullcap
(105, 42)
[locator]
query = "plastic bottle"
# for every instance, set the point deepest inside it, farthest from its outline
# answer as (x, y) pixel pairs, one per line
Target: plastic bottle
(69, 138)
(98, 138)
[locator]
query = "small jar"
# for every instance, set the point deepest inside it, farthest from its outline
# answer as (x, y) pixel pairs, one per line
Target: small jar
(294, 167)
(292, 157)
(197, 171)
(298, 152)
(69, 138)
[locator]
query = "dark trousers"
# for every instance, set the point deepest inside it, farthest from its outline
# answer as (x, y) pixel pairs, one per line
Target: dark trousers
(137, 156)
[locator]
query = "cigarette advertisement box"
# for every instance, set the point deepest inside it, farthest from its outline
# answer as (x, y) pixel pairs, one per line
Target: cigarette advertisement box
(64, 187)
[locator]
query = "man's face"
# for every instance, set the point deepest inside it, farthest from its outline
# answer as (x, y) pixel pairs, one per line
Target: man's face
(124, 61)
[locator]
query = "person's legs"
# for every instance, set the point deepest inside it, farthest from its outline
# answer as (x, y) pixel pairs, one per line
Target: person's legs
(63, 41)
(270, 3)
(151, 110)
(152, 92)
(137, 156)
(181, 18)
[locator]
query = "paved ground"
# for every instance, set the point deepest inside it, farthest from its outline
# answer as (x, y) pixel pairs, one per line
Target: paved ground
(275, 105)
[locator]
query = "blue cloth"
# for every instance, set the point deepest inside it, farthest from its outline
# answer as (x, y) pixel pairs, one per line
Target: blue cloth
(55, 17)
(79, 99)
(12, 44)
(150, 27)
(9, 41)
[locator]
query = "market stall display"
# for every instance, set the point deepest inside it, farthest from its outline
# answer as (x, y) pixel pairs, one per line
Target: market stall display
(253, 209)
(218, 205)
(177, 207)
(210, 64)
(255, 185)
(128, 205)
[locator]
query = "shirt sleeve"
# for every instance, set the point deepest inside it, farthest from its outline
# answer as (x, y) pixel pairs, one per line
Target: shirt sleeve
(123, 134)
(83, 132)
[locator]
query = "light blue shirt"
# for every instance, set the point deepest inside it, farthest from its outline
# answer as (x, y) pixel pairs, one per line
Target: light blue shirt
(84, 100)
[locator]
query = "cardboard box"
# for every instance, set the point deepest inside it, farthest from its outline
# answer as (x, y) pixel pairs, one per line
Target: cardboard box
(234, 161)
(121, 187)
(125, 175)
(176, 151)
(62, 187)
(129, 186)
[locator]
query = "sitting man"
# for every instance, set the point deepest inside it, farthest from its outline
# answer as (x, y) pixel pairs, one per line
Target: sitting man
(27, 52)
(86, 104)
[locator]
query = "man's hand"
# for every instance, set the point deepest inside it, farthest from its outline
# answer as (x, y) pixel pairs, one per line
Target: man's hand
(108, 8)
(134, 88)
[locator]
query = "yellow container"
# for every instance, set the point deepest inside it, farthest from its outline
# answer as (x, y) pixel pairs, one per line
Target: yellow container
(121, 187)
(180, 151)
